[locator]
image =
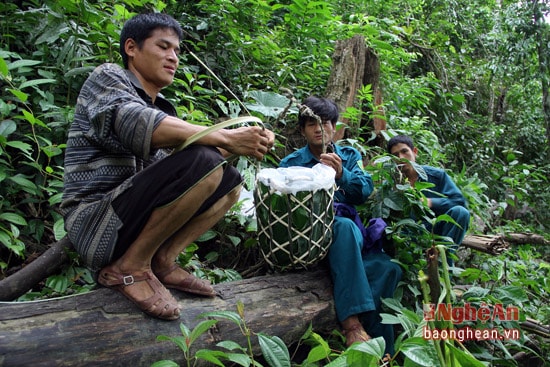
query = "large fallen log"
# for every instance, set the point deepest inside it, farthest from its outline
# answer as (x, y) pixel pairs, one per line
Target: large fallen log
(103, 328)
(489, 244)
(498, 243)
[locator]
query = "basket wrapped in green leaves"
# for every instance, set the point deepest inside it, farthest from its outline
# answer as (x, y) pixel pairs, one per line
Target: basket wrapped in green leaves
(294, 212)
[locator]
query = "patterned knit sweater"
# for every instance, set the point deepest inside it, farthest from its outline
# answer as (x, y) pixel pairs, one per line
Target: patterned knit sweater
(109, 141)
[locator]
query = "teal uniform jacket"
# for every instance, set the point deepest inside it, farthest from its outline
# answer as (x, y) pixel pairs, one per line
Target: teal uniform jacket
(447, 199)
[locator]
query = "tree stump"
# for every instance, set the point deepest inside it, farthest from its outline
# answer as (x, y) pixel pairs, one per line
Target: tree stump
(103, 328)
(354, 65)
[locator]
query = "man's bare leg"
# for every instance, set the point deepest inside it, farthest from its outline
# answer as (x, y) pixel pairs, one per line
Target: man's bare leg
(353, 330)
(169, 251)
(164, 223)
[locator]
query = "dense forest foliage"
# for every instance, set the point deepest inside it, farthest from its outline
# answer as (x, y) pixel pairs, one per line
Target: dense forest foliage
(468, 79)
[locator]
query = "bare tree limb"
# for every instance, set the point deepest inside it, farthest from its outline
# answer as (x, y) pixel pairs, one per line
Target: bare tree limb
(42, 267)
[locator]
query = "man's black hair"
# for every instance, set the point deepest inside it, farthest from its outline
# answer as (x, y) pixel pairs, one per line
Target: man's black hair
(325, 108)
(400, 139)
(140, 27)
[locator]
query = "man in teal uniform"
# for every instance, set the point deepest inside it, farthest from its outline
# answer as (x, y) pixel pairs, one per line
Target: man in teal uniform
(443, 198)
(360, 279)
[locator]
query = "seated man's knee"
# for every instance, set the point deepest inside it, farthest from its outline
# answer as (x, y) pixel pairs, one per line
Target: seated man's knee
(461, 215)
(345, 234)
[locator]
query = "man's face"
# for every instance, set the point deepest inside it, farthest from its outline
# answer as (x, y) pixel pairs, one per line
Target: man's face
(403, 151)
(156, 62)
(314, 135)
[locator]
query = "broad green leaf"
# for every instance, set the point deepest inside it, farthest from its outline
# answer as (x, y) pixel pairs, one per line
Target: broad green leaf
(374, 347)
(268, 104)
(33, 120)
(35, 82)
(16, 246)
(420, 351)
(380, 45)
(23, 63)
(25, 184)
(274, 351)
(211, 356)
(341, 361)
(180, 341)
(24, 147)
(239, 358)
(230, 345)
(225, 315)
(3, 67)
(465, 358)
(391, 204)
(165, 363)
(20, 95)
(5, 238)
(52, 151)
(509, 294)
(59, 229)
(58, 283)
(7, 127)
(317, 353)
(200, 329)
(13, 218)
(208, 235)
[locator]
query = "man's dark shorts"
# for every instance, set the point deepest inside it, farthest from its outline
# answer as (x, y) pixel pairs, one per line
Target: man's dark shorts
(165, 181)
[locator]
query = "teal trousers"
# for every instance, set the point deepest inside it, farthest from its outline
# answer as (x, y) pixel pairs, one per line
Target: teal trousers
(360, 281)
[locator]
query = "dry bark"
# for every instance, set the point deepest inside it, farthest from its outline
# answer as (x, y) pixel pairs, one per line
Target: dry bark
(497, 244)
(485, 243)
(104, 328)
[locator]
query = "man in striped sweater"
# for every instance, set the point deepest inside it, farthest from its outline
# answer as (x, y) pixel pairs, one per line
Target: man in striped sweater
(131, 207)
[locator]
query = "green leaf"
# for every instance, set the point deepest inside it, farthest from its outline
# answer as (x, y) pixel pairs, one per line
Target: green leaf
(225, 315)
(13, 218)
(420, 351)
(465, 358)
(239, 358)
(341, 361)
(20, 95)
(510, 294)
(17, 247)
(23, 63)
(211, 356)
(230, 345)
(24, 147)
(58, 283)
(317, 353)
(274, 350)
(7, 127)
(208, 235)
(200, 329)
(180, 341)
(374, 347)
(165, 363)
(30, 83)
(3, 67)
(268, 104)
(59, 229)
(25, 184)
(391, 204)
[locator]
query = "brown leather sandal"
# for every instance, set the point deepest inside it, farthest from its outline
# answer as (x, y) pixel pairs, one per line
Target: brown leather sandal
(355, 334)
(161, 304)
(189, 284)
